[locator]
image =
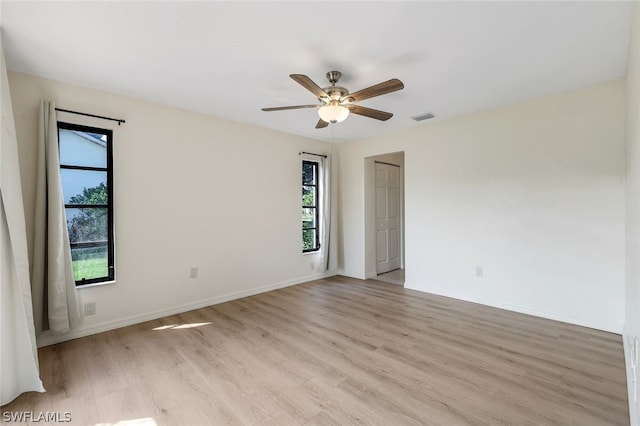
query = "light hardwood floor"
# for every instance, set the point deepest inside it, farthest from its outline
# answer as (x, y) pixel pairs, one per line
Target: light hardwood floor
(338, 351)
(392, 277)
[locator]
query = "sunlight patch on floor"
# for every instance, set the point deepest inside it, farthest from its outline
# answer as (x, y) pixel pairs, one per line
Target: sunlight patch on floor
(181, 326)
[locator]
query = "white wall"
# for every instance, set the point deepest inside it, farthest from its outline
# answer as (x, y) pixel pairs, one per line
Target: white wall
(632, 323)
(190, 191)
(533, 193)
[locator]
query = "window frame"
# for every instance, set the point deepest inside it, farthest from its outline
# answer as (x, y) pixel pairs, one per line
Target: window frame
(318, 205)
(110, 277)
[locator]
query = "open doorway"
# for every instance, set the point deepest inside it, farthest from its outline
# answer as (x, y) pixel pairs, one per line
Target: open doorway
(384, 217)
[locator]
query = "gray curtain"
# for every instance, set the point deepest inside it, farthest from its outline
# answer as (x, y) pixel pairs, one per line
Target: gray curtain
(19, 370)
(55, 302)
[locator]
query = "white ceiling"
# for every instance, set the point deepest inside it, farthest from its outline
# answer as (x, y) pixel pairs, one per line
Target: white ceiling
(229, 59)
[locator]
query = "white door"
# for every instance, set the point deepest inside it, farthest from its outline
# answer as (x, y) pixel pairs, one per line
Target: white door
(387, 217)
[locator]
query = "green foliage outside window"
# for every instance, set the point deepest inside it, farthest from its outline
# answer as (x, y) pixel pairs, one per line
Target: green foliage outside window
(310, 206)
(91, 223)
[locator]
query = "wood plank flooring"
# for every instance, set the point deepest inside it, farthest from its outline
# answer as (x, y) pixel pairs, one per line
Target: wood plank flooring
(338, 351)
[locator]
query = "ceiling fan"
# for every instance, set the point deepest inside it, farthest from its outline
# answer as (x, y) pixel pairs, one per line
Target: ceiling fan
(336, 102)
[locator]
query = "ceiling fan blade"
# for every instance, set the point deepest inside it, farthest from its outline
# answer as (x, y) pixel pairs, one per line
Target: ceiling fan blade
(308, 84)
(370, 112)
(289, 107)
(321, 124)
(376, 90)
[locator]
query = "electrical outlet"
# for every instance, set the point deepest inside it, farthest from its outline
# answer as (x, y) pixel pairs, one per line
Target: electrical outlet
(479, 272)
(194, 272)
(89, 309)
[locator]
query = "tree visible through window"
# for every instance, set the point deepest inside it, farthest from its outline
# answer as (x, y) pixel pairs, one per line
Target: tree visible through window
(86, 172)
(310, 207)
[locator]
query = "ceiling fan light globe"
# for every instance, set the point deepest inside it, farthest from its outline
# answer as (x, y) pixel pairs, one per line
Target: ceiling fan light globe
(333, 113)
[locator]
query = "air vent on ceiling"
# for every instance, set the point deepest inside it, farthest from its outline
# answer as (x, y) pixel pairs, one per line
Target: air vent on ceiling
(423, 116)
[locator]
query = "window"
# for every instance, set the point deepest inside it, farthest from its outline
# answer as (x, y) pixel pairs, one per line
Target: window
(310, 207)
(87, 187)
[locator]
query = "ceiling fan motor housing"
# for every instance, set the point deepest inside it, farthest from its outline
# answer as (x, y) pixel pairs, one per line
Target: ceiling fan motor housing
(335, 93)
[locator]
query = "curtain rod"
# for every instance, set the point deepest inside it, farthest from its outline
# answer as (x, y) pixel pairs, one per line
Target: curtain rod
(311, 153)
(119, 120)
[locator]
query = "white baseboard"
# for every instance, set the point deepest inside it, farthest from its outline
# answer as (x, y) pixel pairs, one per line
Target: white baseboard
(46, 338)
(346, 273)
(611, 328)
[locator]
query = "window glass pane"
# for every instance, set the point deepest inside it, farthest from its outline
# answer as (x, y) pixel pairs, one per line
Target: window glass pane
(89, 262)
(310, 188)
(87, 225)
(308, 239)
(82, 148)
(308, 173)
(84, 186)
(308, 195)
(308, 218)
(85, 170)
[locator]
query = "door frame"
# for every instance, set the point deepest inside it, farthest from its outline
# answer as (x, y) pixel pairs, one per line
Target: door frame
(396, 159)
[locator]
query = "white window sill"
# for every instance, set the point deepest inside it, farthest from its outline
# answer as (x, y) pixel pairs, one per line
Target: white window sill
(80, 287)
